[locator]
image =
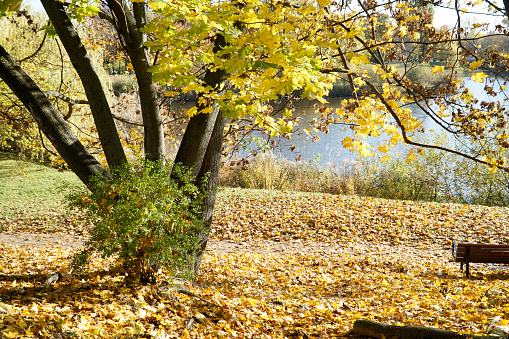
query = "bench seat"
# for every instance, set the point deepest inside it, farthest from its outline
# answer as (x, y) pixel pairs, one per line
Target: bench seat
(467, 253)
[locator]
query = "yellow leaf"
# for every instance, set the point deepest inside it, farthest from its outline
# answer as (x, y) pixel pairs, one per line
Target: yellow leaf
(437, 69)
(324, 3)
(10, 334)
(360, 59)
(207, 110)
(475, 65)
(385, 283)
(383, 148)
(192, 111)
(410, 158)
(363, 150)
(479, 77)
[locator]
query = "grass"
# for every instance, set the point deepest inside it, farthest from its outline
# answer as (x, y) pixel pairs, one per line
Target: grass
(268, 172)
(433, 176)
(31, 191)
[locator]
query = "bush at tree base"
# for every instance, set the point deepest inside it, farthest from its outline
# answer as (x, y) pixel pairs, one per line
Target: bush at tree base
(148, 216)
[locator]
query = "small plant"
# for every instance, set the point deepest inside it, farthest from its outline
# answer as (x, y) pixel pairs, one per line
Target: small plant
(148, 215)
(122, 84)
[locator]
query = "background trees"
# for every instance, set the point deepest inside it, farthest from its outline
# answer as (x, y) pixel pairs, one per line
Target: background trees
(241, 57)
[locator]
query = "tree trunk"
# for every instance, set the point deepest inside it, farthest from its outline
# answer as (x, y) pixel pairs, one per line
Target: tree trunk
(210, 167)
(373, 329)
(196, 140)
(199, 129)
(49, 119)
(99, 105)
(200, 150)
(134, 41)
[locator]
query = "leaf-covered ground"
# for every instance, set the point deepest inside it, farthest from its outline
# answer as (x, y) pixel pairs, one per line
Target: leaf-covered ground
(278, 265)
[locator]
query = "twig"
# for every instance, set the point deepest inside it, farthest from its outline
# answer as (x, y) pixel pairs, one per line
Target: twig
(184, 290)
(20, 291)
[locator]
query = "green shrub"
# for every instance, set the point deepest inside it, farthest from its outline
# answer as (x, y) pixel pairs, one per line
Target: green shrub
(268, 172)
(143, 217)
(123, 84)
(423, 179)
(436, 176)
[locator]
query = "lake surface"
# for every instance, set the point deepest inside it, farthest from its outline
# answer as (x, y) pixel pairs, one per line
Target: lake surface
(328, 151)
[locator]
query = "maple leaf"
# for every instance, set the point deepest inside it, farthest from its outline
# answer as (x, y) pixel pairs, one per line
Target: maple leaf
(437, 69)
(476, 64)
(479, 76)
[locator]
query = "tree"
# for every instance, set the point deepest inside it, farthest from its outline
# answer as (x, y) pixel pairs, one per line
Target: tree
(239, 56)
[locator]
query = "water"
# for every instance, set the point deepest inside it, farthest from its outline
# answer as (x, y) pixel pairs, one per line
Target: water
(329, 151)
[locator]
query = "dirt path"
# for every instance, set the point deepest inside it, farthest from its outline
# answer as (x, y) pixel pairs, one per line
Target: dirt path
(260, 247)
(41, 239)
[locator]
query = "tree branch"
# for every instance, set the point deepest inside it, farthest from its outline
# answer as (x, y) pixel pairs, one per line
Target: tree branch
(36, 51)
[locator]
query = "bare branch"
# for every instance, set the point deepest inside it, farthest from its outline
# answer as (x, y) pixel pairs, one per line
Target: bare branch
(36, 51)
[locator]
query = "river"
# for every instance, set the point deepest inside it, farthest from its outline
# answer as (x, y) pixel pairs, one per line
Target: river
(328, 150)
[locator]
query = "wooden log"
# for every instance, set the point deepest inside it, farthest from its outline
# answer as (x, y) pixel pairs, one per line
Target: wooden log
(373, 329)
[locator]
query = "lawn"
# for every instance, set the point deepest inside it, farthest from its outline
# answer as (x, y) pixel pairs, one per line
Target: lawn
(279, 264)
(30, 193)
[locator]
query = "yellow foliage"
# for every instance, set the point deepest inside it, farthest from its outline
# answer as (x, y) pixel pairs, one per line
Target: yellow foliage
(479, 77)
(476, 64)
(437, 69)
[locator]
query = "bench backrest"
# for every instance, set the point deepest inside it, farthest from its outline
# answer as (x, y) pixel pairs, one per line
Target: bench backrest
(481, 253)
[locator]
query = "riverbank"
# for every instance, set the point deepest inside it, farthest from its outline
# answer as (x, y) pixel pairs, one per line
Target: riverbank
(420, 74)
(433, 176)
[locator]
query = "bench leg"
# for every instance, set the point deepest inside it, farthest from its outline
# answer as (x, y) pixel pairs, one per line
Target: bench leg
(467, 271)
(461, 267)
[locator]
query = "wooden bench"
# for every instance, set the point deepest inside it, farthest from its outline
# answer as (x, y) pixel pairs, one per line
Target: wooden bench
(467, 253)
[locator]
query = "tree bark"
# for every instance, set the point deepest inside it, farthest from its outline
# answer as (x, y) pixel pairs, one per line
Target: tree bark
(196, 139)
(49, 119)
(210, 167)
(99, 105)
(373, 329)
(134, 41)
(199, 129)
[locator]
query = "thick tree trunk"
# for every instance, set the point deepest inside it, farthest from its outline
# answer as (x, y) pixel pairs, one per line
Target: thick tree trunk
(99, 105)
(134, 41)
(49, 119)
(210, 167)
(200, 150)
(199, 129)
(373, 329)
(196, 139)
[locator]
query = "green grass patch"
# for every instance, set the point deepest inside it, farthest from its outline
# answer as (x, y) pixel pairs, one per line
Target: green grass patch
(31, 191)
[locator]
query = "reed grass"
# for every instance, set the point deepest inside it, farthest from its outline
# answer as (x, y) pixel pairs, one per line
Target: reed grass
(435, 176)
